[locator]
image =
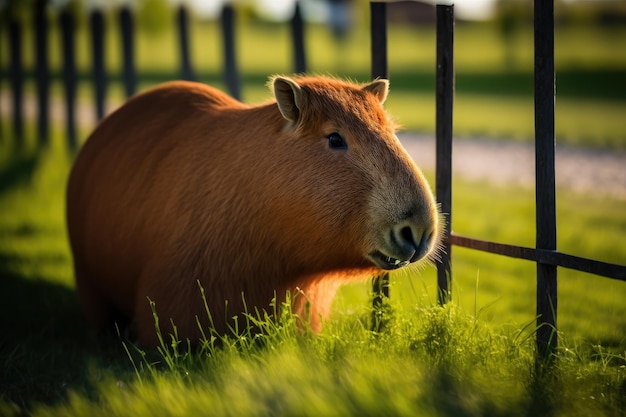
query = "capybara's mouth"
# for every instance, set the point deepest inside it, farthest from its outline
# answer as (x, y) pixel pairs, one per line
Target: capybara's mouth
(387, 262)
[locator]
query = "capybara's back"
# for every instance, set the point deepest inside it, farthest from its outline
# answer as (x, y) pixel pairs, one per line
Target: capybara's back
(184, 187)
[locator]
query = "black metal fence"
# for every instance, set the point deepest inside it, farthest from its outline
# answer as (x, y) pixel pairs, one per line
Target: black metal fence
(544, 254)
(15, 72)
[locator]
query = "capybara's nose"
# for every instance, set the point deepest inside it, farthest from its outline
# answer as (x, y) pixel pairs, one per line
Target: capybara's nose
(406, 243)
(425, 245)
(411, 242)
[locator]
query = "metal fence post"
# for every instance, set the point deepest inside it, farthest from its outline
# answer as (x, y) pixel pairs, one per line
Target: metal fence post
(544, 167)
(444, 107)
(96, 22)
(297, 36)
(378, 33)
(182, 20)
(69, 74)
(128, 51)
(16, 77)
(231, 74)
(42, 72)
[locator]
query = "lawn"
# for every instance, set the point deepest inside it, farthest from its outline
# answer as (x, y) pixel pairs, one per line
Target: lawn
(473, 357)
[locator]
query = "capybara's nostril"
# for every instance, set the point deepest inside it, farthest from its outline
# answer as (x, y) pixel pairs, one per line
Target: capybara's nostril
(407, 235)
(404, 240)
(411, 242)
(424, 246)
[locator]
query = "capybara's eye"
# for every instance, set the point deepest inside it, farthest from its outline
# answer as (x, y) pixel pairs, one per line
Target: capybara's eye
(336, 141)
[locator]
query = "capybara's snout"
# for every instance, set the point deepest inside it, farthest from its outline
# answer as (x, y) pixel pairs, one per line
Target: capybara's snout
(412, 242)
(404, 215)
(406, 242)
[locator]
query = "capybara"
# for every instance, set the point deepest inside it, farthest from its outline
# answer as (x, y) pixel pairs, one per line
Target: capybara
(184, 186)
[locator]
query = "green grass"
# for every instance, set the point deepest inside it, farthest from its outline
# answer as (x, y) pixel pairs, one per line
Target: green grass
(473, 357)
(434, 362)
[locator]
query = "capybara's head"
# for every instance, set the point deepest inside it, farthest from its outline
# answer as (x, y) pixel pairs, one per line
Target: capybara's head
(355, 197)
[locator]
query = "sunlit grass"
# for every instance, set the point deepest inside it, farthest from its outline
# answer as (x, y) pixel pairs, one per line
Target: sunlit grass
(432, 361)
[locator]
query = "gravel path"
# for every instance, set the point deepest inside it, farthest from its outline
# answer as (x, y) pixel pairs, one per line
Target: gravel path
(594, 171)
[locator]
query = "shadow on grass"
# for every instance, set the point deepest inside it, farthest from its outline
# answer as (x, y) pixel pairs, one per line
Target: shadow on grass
(18, 171)
(46, 347)
(452, 396)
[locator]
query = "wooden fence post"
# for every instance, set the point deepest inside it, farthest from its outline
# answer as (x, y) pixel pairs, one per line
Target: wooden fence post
(182, 19)
(444, 129)
(69, 73)
(544, 167)
(378, 33)
(297, 35)
(96, 23)
(16, 77)
(231, 74)
(128, 51)
(42, 73)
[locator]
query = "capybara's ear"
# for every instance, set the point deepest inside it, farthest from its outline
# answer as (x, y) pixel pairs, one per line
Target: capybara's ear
(379, 88)
(289, 97)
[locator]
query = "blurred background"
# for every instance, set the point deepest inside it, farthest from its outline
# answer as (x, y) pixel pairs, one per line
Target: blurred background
(493, 56)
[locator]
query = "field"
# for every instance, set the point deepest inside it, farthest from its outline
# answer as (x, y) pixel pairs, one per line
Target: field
(473, 357)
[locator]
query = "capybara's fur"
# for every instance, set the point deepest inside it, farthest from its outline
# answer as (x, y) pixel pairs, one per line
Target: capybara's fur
(185, 185)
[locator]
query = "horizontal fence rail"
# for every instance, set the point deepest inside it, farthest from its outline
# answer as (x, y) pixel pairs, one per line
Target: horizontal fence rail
(544, 256)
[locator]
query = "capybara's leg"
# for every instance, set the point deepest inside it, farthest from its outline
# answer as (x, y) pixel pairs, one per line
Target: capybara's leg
(145, 324)
(167, 309)
(311, 301)
(179, 303)
(94, 304)
(149, 327)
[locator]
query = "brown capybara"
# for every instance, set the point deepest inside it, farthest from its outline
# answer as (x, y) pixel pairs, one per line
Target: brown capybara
(184, 185)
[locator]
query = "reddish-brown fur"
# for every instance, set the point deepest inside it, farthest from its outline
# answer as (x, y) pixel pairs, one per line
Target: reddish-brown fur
(185, 184)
